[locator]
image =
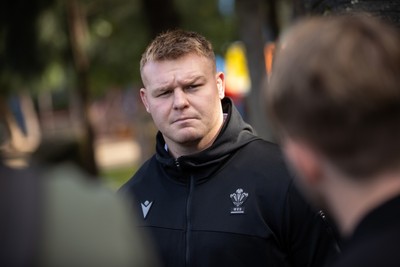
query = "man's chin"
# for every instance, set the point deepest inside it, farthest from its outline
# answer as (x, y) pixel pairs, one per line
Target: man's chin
(186, 135)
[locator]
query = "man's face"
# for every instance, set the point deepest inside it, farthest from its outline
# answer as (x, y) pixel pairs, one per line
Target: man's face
(183, 97)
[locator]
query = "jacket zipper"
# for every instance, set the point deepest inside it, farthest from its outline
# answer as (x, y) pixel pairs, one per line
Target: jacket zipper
(188, 209)
(188, 221)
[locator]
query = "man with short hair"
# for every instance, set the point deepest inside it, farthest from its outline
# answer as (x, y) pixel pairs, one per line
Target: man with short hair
(214, 194)
(334, 98)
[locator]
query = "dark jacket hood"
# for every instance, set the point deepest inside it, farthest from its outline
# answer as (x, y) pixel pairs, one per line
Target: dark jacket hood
(235, 133)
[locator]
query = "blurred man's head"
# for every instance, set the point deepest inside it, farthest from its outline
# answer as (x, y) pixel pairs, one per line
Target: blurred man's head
(334, 96)
(336, 86)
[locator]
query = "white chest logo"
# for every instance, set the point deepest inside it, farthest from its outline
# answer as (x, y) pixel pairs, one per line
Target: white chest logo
(146, 207)
(238, 198)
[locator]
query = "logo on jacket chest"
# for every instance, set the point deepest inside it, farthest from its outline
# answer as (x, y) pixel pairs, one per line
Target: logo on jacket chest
(146, 207)
(238, 198)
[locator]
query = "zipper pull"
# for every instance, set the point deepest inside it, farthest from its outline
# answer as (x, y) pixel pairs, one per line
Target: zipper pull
(177, 164)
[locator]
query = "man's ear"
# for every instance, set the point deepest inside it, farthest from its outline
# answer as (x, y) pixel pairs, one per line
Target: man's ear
(304, 160)
(143, 96)
(221, 84)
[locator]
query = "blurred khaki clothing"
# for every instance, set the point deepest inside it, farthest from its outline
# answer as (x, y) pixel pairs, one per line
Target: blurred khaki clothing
(80, 222)
(87, 225)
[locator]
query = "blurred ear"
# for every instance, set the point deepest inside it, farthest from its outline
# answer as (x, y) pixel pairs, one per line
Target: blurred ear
(143, 96)
(221, 84)
(304, 160)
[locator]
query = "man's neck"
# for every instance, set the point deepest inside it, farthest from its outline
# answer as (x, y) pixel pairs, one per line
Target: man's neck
(188, 149)
(356, 200)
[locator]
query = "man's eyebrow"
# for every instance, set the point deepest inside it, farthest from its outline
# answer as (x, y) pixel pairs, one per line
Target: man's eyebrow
(160, 89)
(189, 80)
(193, 79)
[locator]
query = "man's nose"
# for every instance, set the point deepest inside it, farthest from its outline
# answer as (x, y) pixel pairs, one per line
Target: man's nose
(180, 99)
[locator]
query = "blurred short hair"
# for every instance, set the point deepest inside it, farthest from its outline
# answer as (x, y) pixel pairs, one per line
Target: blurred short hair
(177, 43)
(335, 85)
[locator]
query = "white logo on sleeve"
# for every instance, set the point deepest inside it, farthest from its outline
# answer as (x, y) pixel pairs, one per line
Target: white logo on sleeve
(146, 207)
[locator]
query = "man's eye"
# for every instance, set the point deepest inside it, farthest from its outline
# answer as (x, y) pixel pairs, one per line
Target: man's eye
(192, 86)
(164, 93)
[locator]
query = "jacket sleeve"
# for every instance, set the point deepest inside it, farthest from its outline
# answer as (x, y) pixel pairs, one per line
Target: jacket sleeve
(311, 239)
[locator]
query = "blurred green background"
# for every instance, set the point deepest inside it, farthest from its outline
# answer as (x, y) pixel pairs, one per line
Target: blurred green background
(70, 68)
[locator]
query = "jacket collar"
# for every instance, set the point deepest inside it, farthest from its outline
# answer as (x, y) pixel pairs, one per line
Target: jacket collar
(235, 133)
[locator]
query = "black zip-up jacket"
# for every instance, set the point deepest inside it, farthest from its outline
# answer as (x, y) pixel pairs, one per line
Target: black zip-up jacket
(233, 204)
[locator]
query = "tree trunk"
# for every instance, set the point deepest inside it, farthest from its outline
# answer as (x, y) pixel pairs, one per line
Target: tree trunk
(272, 19)
(251, 22)
(389, 10)
(78, 35)
(161, 15)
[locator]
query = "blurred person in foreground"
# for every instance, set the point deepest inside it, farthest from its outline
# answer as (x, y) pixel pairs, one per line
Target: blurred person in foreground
(214, 194)
(53, 215)
(334, 98)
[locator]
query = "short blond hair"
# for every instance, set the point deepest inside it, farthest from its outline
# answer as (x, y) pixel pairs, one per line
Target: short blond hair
(177, 43)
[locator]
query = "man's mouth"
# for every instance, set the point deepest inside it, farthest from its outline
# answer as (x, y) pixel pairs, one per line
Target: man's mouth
(184, 119)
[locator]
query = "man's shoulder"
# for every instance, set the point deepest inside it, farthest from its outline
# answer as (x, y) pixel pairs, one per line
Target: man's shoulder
(145, 170)
(263, 150)
(265, 144)
(378, 248)
(263, 159)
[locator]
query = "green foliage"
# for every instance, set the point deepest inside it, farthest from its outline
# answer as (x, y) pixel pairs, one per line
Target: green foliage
(116, 177)
(20, 53)
(117, 37)
(203, 16)
(35, 48)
